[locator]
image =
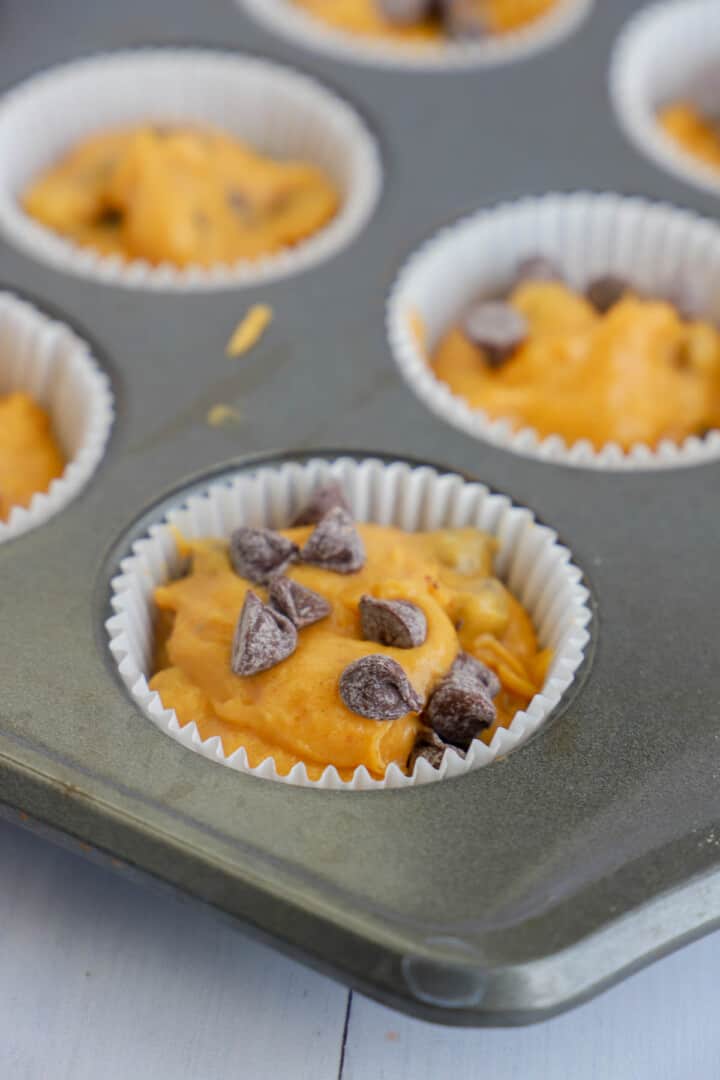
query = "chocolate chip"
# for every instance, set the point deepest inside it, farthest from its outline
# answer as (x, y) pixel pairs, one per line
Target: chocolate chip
(465, 19)
(263, 637)
(405, 12)
(496, 328)
(433, 754)
(378, 688)
(537, 268)
(259, 554)
(431, 747)
(110, 218)
(301, 606)
(466, 669)
(605, 292)
(335, 544)
(681, 359)
(462, 706)
(396, 623)
(324, 498)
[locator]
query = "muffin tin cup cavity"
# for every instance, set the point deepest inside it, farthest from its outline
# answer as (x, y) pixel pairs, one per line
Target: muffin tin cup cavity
(55, 367)
(279, 112)
(643, 78)
(654, 246)
(537, 569)
(283, 17)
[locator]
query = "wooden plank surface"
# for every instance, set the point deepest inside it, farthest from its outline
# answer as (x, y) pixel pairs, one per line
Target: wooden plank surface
(101, 979)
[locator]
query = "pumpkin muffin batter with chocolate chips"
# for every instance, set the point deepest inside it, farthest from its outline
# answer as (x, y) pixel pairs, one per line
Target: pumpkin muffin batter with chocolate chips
(332, 643)
(30, 458)
(423, 22)
(611, 365)
(185, 196)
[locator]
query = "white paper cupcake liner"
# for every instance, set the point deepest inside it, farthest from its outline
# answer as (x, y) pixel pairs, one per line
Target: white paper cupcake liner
(277, 111)
(47, 360)
(668, 52)
(654, 246)
(290, 21)
(536, 568)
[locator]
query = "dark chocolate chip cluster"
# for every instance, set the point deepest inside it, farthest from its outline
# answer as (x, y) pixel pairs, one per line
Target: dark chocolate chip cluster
(374, 686)
(458, 710)
(499, 329)
(462, 706)
(267, 634)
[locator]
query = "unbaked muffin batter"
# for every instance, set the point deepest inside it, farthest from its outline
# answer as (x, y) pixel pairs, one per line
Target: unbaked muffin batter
(371, 18)
(692, 131)
(294, 711)
(186, 196)
(635, 373)
(30, 458)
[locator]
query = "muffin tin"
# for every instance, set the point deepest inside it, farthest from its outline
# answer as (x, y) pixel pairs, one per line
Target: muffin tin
(505, 895)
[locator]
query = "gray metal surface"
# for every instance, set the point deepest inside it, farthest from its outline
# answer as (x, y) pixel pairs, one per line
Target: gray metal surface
(497, 898)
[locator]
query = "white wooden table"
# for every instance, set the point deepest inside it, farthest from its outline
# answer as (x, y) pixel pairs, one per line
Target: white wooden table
(101, 979)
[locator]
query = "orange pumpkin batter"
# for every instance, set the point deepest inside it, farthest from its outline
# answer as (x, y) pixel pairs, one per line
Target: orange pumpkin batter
(637, 374)
(30, 458)
(693, 132)
(181, 196)
(293, 712)
(365, 17)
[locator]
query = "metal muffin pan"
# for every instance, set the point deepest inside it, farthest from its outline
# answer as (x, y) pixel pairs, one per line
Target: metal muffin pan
(520, 889)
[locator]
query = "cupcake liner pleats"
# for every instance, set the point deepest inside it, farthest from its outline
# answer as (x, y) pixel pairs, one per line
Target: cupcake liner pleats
(279, 112)
(653, 246)
(642, 80)
(46, 359)
(536, 567)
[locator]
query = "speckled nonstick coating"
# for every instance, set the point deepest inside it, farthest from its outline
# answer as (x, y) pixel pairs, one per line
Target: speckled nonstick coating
(521, 888)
